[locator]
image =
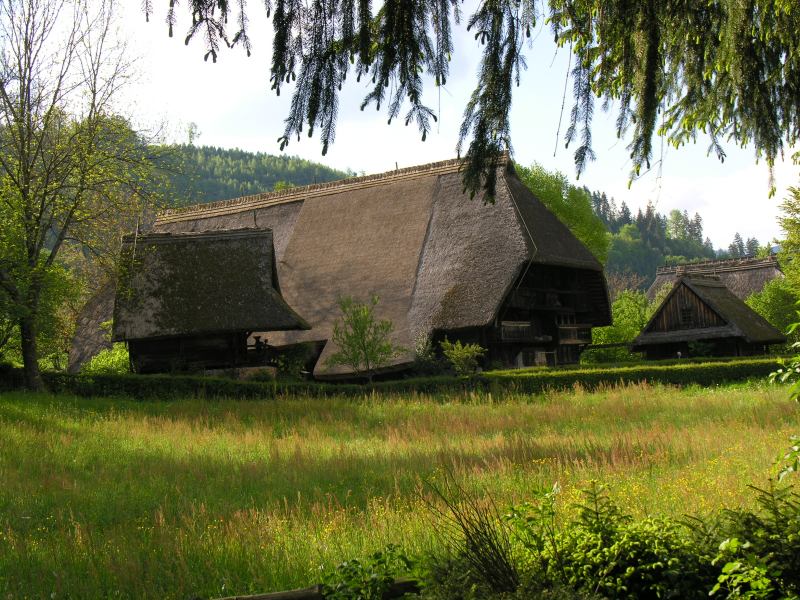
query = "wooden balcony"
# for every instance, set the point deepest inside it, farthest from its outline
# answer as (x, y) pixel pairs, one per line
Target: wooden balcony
(548, 299)
(521, 332)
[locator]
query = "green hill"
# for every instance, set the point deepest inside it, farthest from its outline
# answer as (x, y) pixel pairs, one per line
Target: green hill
(208, 173)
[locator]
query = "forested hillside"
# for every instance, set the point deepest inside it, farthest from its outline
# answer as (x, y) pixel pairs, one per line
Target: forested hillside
(642, 242)
(208, 173)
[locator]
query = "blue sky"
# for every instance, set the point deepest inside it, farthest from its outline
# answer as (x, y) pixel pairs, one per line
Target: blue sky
(232, 106)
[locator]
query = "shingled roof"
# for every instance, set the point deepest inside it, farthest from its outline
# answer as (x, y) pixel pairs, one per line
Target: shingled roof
(736, 319)
(437, 259)
(193, 284)
(742, 276)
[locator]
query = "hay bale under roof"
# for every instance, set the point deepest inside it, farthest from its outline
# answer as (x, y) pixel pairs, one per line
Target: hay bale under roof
(437, 259)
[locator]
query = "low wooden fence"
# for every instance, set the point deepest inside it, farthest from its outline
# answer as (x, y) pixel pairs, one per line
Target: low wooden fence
(398, 589)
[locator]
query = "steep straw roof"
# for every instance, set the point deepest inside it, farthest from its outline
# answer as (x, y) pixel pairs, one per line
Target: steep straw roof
(91, 336)
(742, 276)
(436, 259)
(741, 321)
(178, 284)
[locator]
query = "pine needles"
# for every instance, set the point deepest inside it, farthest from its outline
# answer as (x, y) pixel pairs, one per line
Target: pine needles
(729, 69)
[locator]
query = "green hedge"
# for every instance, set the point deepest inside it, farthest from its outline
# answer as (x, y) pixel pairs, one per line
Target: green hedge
(708, 373)
(168, 387)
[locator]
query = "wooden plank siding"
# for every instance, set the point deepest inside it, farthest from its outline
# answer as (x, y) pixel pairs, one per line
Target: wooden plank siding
(681, 304)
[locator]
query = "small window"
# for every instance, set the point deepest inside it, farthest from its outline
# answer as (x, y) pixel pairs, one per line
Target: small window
(687, 316)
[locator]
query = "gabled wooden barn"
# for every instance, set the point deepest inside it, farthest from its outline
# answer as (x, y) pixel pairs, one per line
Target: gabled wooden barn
(190, 301)
(742, 276)
(700, 312)
(509, 276)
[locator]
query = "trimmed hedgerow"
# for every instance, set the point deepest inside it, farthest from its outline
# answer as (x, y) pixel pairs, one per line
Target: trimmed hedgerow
(710, 373)
(168, 387)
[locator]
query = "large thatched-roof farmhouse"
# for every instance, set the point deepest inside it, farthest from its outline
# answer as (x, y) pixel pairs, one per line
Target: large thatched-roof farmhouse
(508, 275)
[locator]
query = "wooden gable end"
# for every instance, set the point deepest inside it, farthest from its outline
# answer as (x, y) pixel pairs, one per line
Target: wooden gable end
(683, 309)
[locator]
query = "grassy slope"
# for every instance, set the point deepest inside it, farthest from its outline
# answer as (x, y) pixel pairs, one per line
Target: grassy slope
(206, 498)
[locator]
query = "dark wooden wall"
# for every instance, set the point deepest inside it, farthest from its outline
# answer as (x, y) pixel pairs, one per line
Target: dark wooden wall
(685, 302)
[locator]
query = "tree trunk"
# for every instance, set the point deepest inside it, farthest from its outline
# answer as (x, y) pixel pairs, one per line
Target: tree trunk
(30, 355)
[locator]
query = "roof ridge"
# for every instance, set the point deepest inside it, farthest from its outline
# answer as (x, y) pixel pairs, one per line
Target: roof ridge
(749, 262)
(241, 203)
(156, 237)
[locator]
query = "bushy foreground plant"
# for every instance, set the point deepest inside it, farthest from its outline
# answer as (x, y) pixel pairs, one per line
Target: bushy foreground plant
(368, 579)
(463, 357)
(603, 553)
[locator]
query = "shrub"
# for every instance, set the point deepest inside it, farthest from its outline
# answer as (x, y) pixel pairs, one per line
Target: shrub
(114, 360)
(426, 363)
(364, 342)
(463, 357)
(610, 553)
(369, 579)
(293, 361)
(737, 554)
(759, 549)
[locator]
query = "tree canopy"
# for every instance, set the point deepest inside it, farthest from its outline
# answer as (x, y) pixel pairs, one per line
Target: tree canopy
(69, 168)
(572, 205)
(729, 69)
(208, 173)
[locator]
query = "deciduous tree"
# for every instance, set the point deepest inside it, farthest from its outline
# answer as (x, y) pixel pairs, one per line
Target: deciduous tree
(363, 340)
(67, 165)
(572, 205)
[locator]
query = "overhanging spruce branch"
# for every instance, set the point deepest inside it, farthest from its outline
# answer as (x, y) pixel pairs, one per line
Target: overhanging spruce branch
(728, 69)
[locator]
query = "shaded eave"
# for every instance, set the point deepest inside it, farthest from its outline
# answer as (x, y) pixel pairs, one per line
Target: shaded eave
(125, 329)
(208, 333)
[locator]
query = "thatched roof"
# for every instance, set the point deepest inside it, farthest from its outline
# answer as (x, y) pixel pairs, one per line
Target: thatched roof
(179, 284)
(737, 320)
(436, 259)
(742, 276)
(91, 336)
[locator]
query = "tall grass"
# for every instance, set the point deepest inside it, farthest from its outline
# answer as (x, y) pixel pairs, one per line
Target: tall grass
(113, 498)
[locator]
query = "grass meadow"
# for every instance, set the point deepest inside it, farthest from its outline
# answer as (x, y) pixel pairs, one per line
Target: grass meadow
(113, 498)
